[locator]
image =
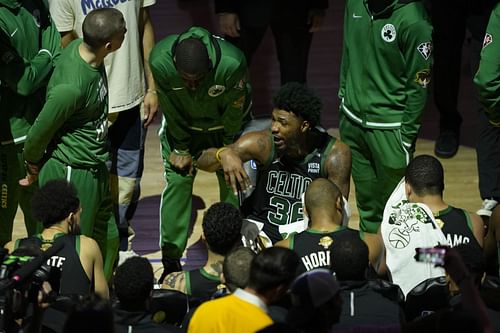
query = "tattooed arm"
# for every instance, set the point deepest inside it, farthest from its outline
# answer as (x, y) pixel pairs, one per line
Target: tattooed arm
(257, 146)
(175, 281)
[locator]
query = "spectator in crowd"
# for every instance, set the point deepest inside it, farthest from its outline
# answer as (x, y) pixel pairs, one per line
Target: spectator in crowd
(70, 132)
(236, 268)
(131, 87)
(203, 91)
(288, 156)
(382, 95)
(316, 302)
(29, 47)
(91, 314)
(244, 23)
(57, 206)
(133, 284)
(365, 305)
(324, 209)
(221, 233)
(271, 273)
(473, 315)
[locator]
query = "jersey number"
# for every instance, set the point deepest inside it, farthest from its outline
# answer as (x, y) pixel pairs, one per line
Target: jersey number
(284, 212)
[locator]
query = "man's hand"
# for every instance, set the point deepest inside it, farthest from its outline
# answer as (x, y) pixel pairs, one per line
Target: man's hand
(229, 24)
(32, 170)
(234, 172)
(181, 160)
(150, 107)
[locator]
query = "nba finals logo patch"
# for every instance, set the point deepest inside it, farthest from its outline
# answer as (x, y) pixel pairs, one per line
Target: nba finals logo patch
(488, 39)
(325, 242)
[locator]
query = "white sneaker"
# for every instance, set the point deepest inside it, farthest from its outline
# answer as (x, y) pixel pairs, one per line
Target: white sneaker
(487, 207)
(124, 255)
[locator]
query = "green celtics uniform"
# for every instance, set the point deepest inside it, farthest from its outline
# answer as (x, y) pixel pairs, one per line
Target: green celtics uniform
(72, 127)
(487, 78)
(210, 116)
(29, 45)
(385, 73)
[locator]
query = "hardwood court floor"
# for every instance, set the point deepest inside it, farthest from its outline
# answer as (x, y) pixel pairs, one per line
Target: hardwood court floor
(460, 179)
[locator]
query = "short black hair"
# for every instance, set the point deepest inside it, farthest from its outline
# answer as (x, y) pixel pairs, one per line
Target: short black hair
(425, 175)
(54, 201)
(236, 268)
(273, 267)
(222, 227)
(191, 56)
(133, 282)
(349, 257)
(299, 99)
(101, 25)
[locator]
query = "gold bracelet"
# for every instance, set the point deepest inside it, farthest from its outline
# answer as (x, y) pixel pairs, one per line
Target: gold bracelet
(217, 153)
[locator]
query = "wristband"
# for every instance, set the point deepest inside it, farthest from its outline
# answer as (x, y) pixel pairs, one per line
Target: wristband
(184, 152)
(217, 153)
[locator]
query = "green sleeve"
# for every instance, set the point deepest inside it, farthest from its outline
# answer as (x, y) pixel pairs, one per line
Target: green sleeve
(62, 101)
(417, 51)
(487, 78)
(51, 41)
(236, 99)
(23, 76)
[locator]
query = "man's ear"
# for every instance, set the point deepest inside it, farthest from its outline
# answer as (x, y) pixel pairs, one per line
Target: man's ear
(306, 126)
(108, 46)
(71, 217)
(408, 190)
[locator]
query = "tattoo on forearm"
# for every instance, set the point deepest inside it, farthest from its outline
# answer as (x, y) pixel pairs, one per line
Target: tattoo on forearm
(171, 280)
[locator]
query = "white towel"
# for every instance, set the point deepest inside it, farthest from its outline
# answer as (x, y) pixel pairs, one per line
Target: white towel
(406, 226)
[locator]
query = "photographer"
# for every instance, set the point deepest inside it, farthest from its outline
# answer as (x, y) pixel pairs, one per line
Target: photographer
(24, 290)
(57, 206)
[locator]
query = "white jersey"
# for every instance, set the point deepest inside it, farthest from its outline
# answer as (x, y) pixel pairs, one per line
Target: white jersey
(124, 68)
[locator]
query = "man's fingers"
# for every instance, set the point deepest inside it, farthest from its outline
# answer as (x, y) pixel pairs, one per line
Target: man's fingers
(234, 183)
(28, 180)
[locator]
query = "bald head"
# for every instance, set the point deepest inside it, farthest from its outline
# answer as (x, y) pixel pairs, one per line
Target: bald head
(322, 197)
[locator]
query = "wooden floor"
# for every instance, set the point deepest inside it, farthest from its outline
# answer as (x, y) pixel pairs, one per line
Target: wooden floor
(460, 179)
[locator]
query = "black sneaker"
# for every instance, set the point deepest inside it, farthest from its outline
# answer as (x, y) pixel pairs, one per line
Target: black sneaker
(169, 266)
(447, 144)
